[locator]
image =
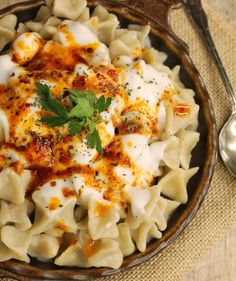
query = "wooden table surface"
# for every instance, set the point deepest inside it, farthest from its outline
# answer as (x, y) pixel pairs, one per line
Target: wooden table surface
(220, 263)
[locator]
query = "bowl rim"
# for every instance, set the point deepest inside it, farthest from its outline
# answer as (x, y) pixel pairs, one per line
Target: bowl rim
(26, 272)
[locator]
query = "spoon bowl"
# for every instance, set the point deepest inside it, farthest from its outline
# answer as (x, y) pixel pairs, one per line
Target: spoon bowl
(227, 144)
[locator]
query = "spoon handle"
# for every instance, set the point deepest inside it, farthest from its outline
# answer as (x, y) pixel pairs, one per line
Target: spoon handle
(199, 19)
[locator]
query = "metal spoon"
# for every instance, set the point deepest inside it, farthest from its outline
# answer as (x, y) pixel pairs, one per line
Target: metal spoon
(227, 137)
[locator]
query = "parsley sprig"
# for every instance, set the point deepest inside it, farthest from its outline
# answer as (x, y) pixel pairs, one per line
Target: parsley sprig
(82, 114)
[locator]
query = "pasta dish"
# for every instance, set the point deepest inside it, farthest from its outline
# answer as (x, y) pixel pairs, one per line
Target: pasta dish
(96, 135)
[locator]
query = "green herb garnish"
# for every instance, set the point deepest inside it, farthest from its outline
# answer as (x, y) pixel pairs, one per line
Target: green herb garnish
(82, 114)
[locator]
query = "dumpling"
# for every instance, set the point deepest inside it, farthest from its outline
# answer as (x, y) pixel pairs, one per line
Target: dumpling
(176, 78)
(13, 184)
(43, 14)
(49, 28)
(142, 202)
(142, 32)
(8, 22)
(186, 94)
(5, 253)
(174, 184)
(188, 140)
(102, 219)
(16, 241)
(144, 234)
(125, 43)
(7, 29)
(33, 26)
(41, 18)
(87, 252)
(22, 28)
(49, 4)
(180, 115)
(43, 247)
(85, 16)
(156, 59)
(108, 254)
(107, 24)
(16, 214)
(153, 56)
(14, 178)
(172, 154)
(71, 32)
(70, 9)
(54, 209)
(163, 211)
(125, 239)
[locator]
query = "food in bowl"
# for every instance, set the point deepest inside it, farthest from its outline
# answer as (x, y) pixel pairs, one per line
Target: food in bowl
(96, 138)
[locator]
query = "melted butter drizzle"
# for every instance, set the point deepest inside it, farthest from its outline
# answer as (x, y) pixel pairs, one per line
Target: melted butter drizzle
(48, 156)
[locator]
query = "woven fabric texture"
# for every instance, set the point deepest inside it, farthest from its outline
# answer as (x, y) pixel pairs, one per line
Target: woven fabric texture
(217, 213)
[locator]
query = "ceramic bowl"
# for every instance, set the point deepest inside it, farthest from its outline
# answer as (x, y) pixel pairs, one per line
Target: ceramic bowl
(155, 13)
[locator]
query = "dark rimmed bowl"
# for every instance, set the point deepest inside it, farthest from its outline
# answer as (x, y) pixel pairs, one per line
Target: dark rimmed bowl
(156, 14)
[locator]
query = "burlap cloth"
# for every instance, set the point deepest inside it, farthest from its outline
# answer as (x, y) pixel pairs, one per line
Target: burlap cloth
(218, 211)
